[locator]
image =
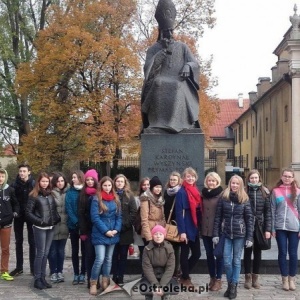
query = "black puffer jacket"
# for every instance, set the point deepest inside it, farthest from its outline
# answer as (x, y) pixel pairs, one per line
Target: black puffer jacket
(261, 207)
(41, 211)
(8, 205)
(22, 190)
(237, 218)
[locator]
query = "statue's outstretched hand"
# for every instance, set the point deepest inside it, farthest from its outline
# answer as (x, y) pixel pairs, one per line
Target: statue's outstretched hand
(185, 72)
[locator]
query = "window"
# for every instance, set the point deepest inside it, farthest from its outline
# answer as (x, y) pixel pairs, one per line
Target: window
(235, 136)
(230, 154)
(212, 154)
(286, 114)
(241, 133)
(267, 124)
(247, 130)
(253, 132)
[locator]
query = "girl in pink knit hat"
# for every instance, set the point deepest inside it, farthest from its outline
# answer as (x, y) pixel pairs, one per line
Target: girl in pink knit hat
(158, 266)
(85, 224)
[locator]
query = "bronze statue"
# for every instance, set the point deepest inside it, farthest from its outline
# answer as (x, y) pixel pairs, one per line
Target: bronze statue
(170, 93)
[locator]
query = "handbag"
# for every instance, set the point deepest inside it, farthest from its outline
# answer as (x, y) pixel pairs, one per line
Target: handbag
(259, 236)
(172, 234)
(219, 248)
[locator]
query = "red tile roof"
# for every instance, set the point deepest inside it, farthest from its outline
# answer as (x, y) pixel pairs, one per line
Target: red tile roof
(229, 111)
(8, 151)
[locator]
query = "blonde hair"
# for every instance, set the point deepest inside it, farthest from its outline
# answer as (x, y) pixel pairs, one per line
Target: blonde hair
(103, 207)
(174, 174)
(190, 171)
(215, 176)
(242, 195)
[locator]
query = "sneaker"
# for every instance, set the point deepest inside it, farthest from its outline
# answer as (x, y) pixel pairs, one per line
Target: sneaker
(81, 279)
(75, 280)
(60, 277)
(16, 272)
(54, 278)
(6, 276)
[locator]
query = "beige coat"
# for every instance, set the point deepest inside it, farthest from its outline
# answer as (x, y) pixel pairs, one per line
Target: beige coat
(151, 214)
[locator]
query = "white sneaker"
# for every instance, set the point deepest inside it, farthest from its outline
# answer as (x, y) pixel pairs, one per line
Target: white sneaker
(60, 277)
(54, 278)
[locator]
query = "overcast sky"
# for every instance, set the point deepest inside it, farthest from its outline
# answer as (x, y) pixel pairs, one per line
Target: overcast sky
(243, 40)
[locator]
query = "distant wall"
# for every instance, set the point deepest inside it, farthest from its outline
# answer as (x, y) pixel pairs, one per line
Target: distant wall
(5, 160)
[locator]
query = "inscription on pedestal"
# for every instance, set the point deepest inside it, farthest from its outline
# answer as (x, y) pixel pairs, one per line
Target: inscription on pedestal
(170, 160)
(165, 153)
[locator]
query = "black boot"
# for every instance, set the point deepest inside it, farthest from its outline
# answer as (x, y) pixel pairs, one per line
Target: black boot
(226, 294)
(45, 283)
(38, 284)
(233, 292)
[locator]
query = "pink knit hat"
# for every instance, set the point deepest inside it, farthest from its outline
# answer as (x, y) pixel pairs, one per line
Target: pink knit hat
(91, 173)
(158, 228)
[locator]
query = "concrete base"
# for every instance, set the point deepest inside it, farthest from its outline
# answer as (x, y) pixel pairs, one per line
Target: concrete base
(163, 153)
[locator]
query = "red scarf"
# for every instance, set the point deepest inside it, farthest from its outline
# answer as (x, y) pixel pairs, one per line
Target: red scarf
(194, 198)
(107, 197)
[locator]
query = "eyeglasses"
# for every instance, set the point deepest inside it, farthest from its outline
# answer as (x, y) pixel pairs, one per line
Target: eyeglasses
(287, 177)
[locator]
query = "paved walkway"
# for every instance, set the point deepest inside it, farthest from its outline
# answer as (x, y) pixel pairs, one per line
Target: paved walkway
(22, 287)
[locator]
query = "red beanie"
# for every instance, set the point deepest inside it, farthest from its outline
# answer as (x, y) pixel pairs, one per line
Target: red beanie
(158, 228)
(91, 173)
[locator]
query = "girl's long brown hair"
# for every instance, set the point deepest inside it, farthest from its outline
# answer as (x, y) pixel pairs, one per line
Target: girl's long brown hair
(127, 189)
(35, 191)
(294, 184)
(141, 184)
(261, 188)
(103, 207)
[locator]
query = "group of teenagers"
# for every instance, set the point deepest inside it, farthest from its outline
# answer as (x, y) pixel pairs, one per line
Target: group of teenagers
(105, 218)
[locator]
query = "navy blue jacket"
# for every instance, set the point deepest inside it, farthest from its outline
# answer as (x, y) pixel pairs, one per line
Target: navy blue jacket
(184, 219)
(236, 218)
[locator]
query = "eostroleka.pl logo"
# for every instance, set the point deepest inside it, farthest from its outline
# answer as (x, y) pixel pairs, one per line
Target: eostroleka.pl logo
(174, 289)
(143, 288)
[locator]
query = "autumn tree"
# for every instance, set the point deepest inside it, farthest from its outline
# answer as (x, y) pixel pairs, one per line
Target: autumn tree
(84, 84)
(20, 22)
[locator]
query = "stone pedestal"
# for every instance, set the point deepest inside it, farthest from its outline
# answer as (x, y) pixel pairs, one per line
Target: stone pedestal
(163, 153)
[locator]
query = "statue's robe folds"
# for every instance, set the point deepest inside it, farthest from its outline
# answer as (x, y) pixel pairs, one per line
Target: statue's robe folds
(169, 101)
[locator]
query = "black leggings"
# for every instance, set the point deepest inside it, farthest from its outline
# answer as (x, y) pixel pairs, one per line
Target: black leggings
(256, 260)
(187, 264)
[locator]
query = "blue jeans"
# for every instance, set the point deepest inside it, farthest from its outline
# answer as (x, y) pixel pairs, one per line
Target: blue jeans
(43, 239)
(287, 242)
(215, 266)
(119, 260)
(75, 240)
(233, 249)
(57, 256)
(103, 260)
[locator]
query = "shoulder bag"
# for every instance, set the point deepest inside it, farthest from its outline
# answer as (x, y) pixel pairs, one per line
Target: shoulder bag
(171, 228)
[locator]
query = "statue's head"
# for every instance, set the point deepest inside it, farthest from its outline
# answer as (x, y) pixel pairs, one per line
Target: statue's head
(165, 15)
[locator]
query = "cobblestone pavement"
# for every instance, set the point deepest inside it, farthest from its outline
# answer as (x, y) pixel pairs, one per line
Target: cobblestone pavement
(22, 287)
